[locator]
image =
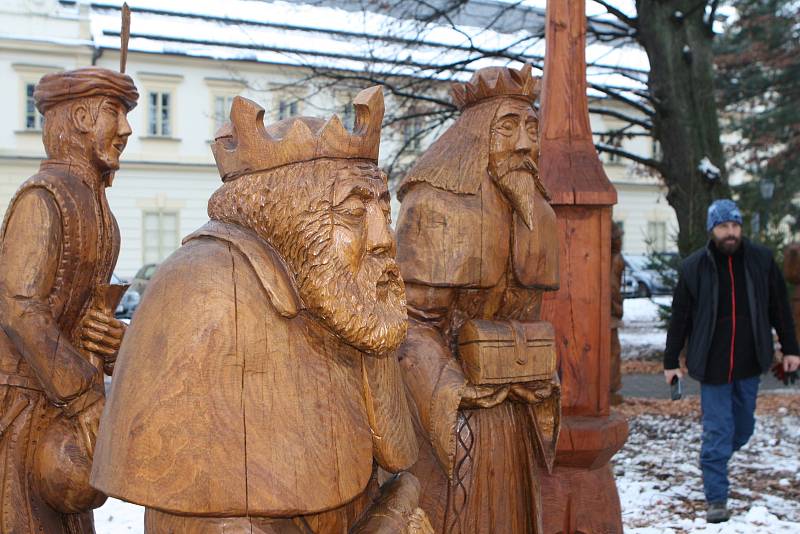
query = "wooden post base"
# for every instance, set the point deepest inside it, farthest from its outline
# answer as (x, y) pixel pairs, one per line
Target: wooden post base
(580, 501)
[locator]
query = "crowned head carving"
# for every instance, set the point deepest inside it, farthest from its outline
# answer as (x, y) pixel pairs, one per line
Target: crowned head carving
(493, 82)
(497, 134)
(244, 145)
(315, 193)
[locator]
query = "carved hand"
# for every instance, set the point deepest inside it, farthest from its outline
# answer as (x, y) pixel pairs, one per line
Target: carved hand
(533, 393)
(483, 396)
(102, 334)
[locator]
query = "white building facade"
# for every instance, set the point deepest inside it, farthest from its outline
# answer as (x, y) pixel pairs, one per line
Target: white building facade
(168, 171)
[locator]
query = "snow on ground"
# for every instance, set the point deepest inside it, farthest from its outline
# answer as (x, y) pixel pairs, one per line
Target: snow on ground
(660, 483)
(641, 335)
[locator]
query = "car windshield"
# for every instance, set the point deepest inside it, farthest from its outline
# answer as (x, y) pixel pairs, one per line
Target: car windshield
(638, 263)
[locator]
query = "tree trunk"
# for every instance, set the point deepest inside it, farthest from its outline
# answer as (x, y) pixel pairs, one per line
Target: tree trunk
(678, 44)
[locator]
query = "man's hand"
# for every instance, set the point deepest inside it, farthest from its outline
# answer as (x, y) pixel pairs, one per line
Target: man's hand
(102, 334)
(483, 396)
(791, 363)
(669, 374)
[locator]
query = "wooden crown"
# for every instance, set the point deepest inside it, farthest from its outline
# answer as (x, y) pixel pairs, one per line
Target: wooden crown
(244, 145)
(491, 82)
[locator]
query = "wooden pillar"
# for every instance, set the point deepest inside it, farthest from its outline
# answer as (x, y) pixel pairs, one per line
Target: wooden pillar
(580, 495)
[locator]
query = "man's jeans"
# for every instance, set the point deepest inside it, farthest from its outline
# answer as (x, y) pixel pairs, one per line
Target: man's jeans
(728, 421)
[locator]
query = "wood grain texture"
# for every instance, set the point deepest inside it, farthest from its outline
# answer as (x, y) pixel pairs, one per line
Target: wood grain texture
(581, 310)
(477, 247)
(258, 389)
(58, 246)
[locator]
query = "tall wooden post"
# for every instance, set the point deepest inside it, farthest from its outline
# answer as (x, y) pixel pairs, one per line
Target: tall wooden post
(580, 495)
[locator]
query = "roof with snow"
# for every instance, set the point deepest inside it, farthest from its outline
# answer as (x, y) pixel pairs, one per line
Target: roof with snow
(355, 35)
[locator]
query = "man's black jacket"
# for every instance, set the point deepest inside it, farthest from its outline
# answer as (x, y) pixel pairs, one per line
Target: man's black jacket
(695, 308)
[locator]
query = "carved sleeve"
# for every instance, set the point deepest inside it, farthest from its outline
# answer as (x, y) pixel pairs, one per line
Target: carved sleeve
(29, 255)
(433, 378)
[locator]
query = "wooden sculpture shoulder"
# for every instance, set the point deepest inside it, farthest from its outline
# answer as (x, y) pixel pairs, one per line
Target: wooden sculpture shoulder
(451, 239)
(227, 398)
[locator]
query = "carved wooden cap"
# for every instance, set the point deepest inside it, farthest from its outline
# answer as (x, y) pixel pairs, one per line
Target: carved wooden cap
(245, 146)
(86, 82)
(492, 82)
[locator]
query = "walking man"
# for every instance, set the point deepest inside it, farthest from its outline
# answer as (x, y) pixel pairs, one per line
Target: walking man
(730, 294)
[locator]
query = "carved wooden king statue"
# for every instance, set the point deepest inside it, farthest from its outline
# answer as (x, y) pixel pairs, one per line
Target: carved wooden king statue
(259, 384)
(477, 247)
(58, 247)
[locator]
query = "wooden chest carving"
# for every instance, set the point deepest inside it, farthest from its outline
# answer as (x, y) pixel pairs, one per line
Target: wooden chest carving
(503, 352)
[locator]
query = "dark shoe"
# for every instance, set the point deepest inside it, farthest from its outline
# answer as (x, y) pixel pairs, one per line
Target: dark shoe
(717, 512)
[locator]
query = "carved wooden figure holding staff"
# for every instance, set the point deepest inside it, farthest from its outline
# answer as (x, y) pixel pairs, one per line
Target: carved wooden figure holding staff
(258, 382)
(477, 246)
(58, 247)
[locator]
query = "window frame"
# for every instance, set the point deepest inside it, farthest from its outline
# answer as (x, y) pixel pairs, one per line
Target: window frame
(30, 75)
(160, 212)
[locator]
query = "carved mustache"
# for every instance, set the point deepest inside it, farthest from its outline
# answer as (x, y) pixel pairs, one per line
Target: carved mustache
(518, 163)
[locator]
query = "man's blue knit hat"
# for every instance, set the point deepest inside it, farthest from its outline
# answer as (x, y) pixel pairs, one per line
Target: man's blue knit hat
(722, 211)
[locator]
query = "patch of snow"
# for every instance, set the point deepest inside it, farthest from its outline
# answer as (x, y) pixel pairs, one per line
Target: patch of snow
(119, 517)
(708, 169)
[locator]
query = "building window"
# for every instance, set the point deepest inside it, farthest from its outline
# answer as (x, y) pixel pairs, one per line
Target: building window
(159, 113)
(222, 109)
(613, 141)
(160, 237)
(657, 235)
(33, 119)
(655, 150)
(412, 134)
(287, 108)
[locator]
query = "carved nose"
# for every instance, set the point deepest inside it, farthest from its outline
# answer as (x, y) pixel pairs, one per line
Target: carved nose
(524, 140)
(380, 238)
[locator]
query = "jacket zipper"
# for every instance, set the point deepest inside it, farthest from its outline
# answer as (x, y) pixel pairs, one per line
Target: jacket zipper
(733, 317)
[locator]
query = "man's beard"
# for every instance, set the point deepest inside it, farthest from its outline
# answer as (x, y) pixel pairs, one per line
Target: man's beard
(366, 309)
(728, 245)
(516, 178)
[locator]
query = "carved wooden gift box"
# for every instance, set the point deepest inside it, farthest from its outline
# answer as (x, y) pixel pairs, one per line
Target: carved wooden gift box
(504, 352)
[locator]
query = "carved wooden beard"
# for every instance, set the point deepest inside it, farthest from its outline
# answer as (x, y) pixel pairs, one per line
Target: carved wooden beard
(516, 177)
(290, 208)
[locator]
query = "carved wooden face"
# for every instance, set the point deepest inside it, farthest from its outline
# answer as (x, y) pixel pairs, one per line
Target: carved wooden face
(111, 130)
(329, 220)
(514, 138)
(361, 219)
(513, 155)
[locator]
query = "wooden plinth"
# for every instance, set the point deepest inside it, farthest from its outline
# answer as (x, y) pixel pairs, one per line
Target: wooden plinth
(578, 501)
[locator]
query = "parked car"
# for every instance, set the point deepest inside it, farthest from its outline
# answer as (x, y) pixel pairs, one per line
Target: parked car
(640, 279)
(130, 300)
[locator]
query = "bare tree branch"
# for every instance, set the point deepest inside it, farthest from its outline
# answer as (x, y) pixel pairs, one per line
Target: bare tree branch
(647, 125)
(617, 13)
(622, 98)
(648, 162)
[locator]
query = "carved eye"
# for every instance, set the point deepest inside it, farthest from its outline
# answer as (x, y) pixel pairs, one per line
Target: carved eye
(352, 207)
(506, 126)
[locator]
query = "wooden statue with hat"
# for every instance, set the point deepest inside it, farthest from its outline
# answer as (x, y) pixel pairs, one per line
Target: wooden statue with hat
(58, 336)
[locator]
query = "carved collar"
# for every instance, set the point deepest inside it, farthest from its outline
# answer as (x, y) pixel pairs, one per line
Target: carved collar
(89, 174)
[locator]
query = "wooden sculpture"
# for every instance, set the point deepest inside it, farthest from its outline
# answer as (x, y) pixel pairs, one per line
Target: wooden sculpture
(617, 269)
(259, 384)
(791, 271)
(58, 247)
(580, 495)
(477, 247)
